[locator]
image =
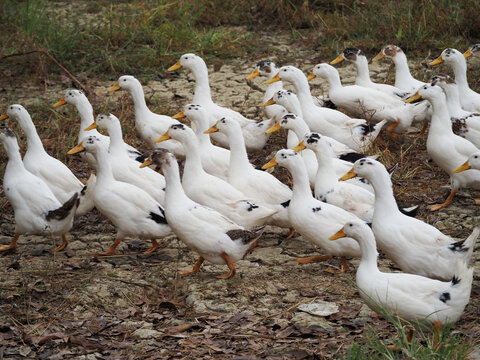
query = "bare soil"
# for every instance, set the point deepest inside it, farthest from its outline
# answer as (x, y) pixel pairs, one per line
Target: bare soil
(72, 305)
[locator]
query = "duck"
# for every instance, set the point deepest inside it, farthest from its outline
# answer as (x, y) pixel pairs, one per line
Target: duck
(131, 209)
(378, 107)
(469, 99)
(352, 132)
(149, 125)
(37, 210)
(313, 219)
(58, 177)
(78, 99)
(464, 123)
(255, 184)
(212, 191)
(411, 297)
(413, 245)
(215, 159)
(349, 197)
(253, 131)
(403, 78)
(357, 57)
(473, 162)
(122, 166)
(445, 148)
(215, 237)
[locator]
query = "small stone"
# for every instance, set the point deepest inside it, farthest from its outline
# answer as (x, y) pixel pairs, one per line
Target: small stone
(291, 297)
(307, 320)
(24, 350)
(271, 289)
(319, 308)
(146, 333)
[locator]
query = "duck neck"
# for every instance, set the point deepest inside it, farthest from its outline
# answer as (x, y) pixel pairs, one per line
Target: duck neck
(401, 67)
(384, 199)
(239, 164)
(294, 107)
(138, 97)
(193, 161)
(301, 184)
(303, 91)
(201, 124)
(13, 152)
(369, 258)
(104, 167)
(174, 192)
(363, 74)
(460, 71)
(117, 146)
(453, 100)
(326, 177)
(300, 128)
(202, 86)
(85, 110)
(333, 78)
(441, 123)
(34, 143)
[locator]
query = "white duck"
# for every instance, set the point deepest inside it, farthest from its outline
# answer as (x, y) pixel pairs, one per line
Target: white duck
(469, 99)
(254, 135)
(352, 198)
(212, 191)
(255, 184)
(357, 57)
(414, 246)
(445, 148)
(313, 219)
(123, 167)
(132, 210)
(411, 297)
(473, 162)
(464, 123)
(352, 132)
(215, 159)
(78, 99)
(58, 177)
(360, 100)
(148, 125)
(403, 78)
(212, 235)
(37, 210)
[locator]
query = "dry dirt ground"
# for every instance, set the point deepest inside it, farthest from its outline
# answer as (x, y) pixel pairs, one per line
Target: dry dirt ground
(71, 305)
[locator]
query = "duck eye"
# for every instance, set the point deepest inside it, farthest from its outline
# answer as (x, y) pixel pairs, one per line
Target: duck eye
(124, 79)
(350, 225)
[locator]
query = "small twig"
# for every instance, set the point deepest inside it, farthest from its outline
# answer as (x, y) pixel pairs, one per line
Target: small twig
(50, 56)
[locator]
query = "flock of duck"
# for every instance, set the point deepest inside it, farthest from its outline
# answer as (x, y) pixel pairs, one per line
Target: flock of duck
(220, 205)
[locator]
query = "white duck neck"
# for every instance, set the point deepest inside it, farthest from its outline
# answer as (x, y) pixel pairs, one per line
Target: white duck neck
(202, 85)
(85, 110)
(293, 105)
(13, 152)
(174, 192)
(301, 184)
(201, 124)
(104, 167)
(117, 146)
(363, 74)
(299, 127)
(239, 163)
(460, 70)
(368, 261)
(441, 123)
(300, 83)
(34, 143)
(384, 199)
(193, 161)
(138, 97)
(333, 78)
(326, 177)
(453, 100)
(402, 70)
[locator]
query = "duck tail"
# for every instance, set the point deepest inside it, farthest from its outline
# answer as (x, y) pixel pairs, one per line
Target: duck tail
(465, 247)
(86, 196)
(375, 129)
(64, 211)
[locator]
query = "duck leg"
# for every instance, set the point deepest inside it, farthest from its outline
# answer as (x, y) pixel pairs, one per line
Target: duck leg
(314, 258)
(63, 245)
(343, 269)
(424, 128)
(195, 268)
(390, 129)
(111, 250)
(153, 248)
(231, 266)
(447, 201)
(409, 341)
(436, 334)
(291, 233)
(12, 245)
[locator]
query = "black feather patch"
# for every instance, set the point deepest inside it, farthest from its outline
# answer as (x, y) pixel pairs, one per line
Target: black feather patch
(455, 280)
(318, 208)
(252, 206)
(351, 157)
(285, 203)
(458, 246)
(247, 236)
(159, 219)
(369, 224)
(329, 104)
(84, 190)
(63, 211)
(445, 297)
(367, 129)
(412, 213)
(141, 158)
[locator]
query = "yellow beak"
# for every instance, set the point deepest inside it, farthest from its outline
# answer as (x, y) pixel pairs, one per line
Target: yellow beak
(348, 175)
(115, 87)
(380, 56)
(76, 149)
(147, 162)
(274, 128)
(254, 74)
(463, 167)
(339, 234)
(414, 97)
(180, 115)
(299, 147)
(164, 137)
(269, 102)
(176, 66)
(270, 164)
(92, 126)
(437, 61)
(311, 76)
(211, 130)
(60, 103)
(274, 79)
(467, 54)
(338, 59)
(3, 116)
